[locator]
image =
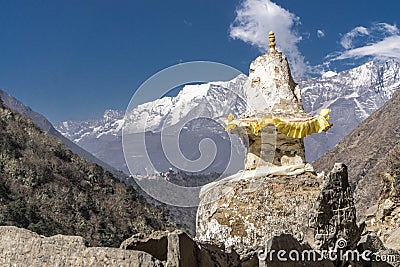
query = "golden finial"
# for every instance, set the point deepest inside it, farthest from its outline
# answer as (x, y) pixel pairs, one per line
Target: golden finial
(271, 41)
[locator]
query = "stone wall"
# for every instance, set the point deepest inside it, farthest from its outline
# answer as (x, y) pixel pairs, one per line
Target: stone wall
(21, 247)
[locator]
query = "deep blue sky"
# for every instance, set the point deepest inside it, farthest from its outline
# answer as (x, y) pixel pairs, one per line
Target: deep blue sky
(74, 59)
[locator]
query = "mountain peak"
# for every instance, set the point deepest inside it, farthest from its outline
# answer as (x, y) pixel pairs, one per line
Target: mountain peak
(112, 114)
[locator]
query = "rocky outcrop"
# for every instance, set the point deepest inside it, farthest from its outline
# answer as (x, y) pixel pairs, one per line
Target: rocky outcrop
(384, 217)
(333, 217)
(381, 234)
(156, 244)
(21, 247)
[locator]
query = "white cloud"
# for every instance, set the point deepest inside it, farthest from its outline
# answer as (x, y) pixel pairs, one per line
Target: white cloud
(255, 18)
(320, 33)
(347, 39)
(387, 48)
(381, 41)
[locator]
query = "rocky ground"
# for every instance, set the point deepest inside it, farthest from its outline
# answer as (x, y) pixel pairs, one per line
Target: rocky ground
(328, 220)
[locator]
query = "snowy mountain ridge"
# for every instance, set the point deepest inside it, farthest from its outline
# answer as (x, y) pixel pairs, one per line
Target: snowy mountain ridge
(352, 95)
(161, 112)
(380, 80)
(212, 100)
(110, 124)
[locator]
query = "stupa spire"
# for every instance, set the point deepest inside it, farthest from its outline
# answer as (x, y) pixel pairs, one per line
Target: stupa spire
(271, 41)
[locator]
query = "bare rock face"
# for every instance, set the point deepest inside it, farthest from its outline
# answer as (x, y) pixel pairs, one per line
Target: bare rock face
(252, 210)
(20, 247)
(381, 255)
(155, 244)
(333, 217)
(177, 249)
(384, 217)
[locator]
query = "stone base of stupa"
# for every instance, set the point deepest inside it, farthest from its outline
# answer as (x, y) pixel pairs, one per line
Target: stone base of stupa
(272, 147)
(245, 210)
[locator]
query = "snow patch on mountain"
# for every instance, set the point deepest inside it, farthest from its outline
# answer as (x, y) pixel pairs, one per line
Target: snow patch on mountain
(329, 74)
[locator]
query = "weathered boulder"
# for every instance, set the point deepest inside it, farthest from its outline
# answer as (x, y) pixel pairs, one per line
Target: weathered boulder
(393, 239)
(384, 219)
(21, 247)
(177, 249)
(155, 244)
(370, 242)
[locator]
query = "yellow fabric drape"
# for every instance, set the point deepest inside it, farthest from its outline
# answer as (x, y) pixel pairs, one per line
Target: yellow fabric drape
(296, 128)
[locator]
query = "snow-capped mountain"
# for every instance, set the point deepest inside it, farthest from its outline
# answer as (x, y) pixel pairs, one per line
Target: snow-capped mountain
(110, 124)
(352, 95)
(100, 136)
(211, 100)
(196, 108)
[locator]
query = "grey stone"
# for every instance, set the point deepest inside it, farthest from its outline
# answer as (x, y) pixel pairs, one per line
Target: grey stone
(178, 249)
(371, 211)
(385, 209)
(371, 242)
(393, 241)
(155, 244)
(21, 247)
